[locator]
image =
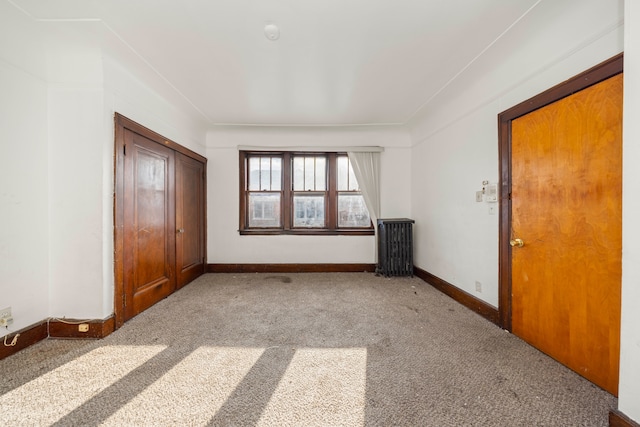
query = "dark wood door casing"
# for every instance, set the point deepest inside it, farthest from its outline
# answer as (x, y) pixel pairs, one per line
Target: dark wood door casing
(600, 72)
(133, 140)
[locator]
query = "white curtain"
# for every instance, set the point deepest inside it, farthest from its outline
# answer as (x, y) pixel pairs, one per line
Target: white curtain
(366, 167)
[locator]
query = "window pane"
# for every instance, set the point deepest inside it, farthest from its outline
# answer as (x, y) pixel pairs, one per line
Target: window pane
(276, 174)
(346, 178)
(254, 174)
(265, 173)
(308, 211)
(343, 173)
(309, 174)
(264, 210)
(298, 173)
(353, 182)
(321, 174)
(352, 211)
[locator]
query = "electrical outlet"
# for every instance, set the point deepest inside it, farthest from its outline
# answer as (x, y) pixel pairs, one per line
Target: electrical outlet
(478, 286)
(5, 317)
(83, 327)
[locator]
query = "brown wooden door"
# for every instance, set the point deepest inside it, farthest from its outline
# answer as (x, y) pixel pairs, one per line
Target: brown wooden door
(566, 204)
(160, 190)
(190, 219)
(149, 223)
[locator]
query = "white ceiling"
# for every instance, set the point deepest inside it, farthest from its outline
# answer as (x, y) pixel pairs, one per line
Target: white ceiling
(337, 62)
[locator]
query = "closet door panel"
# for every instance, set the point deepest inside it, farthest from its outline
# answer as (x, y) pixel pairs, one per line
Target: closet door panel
(190, 218)
(149, 226)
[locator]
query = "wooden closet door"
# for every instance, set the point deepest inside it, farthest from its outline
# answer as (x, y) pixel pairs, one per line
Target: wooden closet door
(159, 217)
(149, 223)
(567, 210)
(190, 219)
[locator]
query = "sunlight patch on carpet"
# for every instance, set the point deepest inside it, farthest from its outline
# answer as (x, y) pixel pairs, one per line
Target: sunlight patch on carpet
(192, 391)
(75, 383)
(320, 387)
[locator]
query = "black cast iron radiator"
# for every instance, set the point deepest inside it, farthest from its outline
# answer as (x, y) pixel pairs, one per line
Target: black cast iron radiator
(395, 247)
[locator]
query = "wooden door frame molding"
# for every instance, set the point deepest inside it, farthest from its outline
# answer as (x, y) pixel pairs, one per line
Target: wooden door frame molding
(600, 72)
(121, 123)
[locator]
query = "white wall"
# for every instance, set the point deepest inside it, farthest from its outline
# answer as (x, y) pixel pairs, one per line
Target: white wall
(225, 245)
(127, 94)
(456, 136)
(75, 128)
(629, 389)
(24, 235)
(24, 255)
(456, 238)
(76, 203)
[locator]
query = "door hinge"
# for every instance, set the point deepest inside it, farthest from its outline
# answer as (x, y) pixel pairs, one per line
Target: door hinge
(124, 150)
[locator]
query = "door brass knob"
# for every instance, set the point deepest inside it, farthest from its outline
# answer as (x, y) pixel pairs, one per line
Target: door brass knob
(517, 242)
(180, 230)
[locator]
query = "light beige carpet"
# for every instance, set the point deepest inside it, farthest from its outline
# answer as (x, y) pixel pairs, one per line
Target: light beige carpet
(338, 349)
